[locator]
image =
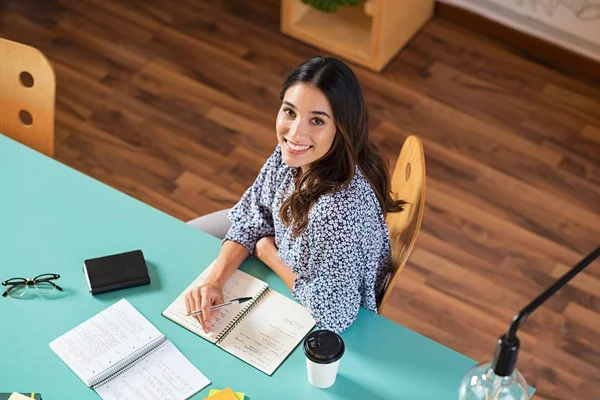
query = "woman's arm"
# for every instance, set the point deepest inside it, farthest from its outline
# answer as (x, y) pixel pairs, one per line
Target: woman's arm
(230, 257)
(266, 251)
(252, 218)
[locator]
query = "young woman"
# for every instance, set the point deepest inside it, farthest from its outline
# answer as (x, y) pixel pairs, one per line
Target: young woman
(316, 212)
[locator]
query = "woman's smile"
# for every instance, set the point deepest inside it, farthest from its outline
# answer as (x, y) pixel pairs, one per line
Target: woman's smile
(295, 148)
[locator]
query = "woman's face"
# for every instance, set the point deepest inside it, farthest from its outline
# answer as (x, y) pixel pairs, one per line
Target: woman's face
(305, 126)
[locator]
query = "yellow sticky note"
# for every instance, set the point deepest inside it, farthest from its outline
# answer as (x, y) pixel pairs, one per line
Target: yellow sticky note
(18, 396)
(226, 394)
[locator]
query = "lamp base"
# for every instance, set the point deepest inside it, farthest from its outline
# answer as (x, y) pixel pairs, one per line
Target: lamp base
(481, 383)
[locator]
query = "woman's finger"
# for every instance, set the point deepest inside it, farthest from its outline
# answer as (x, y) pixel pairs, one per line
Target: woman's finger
(197, 297)
(217, 300)
(188, 302)
(206, 314)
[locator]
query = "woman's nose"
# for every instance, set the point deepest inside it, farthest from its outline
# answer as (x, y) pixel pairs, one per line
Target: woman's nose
(296, 129)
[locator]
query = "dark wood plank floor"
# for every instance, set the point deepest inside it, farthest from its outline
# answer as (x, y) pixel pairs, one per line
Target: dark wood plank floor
(175, 105)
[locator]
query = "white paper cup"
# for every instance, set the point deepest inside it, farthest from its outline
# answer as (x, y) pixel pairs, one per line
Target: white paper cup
(322, 375)
(323, 350)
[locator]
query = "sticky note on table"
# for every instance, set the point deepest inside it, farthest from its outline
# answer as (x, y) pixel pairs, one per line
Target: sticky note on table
(226, 394)
(29, 396)
(18, 396)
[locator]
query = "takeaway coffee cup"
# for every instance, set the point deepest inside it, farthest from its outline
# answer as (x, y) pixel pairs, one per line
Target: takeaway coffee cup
(323, 350)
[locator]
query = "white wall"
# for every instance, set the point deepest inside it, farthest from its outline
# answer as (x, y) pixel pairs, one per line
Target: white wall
(573, 24)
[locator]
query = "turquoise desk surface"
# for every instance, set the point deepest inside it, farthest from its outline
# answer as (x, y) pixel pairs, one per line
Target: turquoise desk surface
(53, 217)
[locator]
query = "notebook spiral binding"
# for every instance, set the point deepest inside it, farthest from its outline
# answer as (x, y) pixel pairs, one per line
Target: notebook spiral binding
(124, 364)
(236, 320)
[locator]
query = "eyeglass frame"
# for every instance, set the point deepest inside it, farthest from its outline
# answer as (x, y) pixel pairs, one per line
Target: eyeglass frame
(27, 281)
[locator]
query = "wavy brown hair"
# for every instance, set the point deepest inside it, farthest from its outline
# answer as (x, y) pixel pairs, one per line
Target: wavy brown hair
(351, 145)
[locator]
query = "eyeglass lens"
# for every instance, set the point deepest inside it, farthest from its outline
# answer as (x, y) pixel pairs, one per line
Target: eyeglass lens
(17, 290)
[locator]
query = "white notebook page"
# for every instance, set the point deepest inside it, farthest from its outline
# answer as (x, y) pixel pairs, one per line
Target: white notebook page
(104, 340)
(269, 332)
(165, 374)
(240, 284)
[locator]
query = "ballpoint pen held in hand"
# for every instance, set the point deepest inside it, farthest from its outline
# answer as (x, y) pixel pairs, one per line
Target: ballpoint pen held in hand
(219, 306)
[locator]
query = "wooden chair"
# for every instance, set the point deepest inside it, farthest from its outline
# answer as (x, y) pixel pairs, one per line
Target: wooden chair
(408, 183)
(27, 96)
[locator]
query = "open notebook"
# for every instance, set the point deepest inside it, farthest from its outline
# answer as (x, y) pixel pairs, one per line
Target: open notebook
(261, 332)
(121, 355)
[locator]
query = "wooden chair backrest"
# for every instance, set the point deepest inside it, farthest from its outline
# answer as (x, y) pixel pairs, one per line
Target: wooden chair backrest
(408, 184)
(27, 96)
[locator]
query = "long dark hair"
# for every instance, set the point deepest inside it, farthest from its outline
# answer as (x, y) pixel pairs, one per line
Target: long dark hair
(351, 145)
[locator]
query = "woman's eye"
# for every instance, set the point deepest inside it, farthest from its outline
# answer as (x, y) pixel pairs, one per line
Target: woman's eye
(289, 112)
(318, 121)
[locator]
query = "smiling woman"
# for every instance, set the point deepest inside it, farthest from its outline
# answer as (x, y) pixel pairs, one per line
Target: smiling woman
(305, 129)
(305, 135)
(316, 212)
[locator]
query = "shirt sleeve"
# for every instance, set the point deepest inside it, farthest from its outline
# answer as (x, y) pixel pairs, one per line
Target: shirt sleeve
(332, 295)
(251, 218)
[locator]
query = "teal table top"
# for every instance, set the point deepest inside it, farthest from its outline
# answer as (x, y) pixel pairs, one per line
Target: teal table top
(53, 217)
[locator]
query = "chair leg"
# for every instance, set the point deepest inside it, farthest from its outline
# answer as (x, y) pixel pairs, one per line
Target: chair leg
(216, 224)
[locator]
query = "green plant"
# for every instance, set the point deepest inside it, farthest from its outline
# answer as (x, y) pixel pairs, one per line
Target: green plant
(330, 5)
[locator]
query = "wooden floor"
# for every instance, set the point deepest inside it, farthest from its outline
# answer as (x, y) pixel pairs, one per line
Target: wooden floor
(175, 104)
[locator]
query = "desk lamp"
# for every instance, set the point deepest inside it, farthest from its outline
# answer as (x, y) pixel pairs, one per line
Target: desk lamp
(499, 379)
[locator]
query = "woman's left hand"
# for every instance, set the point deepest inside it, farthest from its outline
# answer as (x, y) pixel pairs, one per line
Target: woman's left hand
(267, 252)
(265, 247)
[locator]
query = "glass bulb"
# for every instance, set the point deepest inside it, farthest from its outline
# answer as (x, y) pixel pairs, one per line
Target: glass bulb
(481, 383)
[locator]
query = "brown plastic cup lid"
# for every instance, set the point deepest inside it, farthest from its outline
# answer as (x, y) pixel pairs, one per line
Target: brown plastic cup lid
(323, 347)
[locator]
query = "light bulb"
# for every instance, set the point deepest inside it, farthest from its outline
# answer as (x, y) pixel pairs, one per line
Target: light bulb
(482, 383)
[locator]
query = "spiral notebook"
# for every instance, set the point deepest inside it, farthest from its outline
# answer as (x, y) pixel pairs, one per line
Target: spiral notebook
(121, 355)
(261, 332)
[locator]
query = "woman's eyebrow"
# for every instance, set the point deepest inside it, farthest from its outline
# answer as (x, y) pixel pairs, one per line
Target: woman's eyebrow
(321, 113)
(312, 112)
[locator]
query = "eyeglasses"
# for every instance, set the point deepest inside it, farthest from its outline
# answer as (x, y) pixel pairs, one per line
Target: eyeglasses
(17, 287)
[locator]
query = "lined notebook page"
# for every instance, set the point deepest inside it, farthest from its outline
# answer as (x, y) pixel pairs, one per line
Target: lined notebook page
(269, 332)
(105, 341)
(240, 284)
(163, 374)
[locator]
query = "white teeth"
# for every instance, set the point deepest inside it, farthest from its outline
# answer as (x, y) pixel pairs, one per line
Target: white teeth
(297, 148)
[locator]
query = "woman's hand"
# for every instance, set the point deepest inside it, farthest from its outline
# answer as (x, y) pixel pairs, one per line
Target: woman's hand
(202, 298)
(267, 252)
(265, 248)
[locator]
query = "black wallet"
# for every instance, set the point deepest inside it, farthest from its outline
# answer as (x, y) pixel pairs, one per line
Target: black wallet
(116, 271)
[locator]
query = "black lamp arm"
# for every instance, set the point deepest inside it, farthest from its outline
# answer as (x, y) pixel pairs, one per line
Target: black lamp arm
(538, 301)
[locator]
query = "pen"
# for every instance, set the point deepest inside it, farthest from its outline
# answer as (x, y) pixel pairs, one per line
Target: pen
(218, 306)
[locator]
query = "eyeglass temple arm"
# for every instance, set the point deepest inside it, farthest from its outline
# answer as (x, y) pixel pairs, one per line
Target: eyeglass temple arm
(9, 288)
(52, 283)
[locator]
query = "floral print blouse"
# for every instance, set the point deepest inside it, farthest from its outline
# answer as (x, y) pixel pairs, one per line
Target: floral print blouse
(342, 258)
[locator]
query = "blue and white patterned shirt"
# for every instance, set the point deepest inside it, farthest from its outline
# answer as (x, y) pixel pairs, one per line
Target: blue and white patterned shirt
(341, 259)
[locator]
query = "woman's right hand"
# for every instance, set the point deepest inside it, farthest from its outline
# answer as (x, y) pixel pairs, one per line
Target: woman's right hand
(202, 298)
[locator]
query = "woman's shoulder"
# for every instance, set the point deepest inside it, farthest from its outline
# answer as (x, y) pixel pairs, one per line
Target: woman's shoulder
(275, 159)
(274, 165)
